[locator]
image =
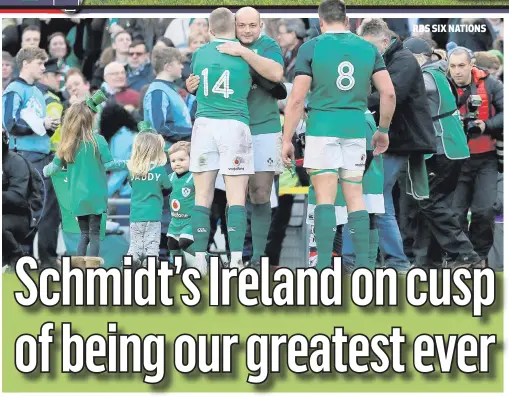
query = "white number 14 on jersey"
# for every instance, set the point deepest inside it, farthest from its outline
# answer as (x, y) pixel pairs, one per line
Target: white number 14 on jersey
(222, 85)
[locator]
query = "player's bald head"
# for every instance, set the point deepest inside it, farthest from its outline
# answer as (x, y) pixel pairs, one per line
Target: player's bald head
(222, 22)
(247, 13)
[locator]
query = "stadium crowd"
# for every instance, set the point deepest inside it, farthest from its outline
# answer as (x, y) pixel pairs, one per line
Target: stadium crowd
(120, 57)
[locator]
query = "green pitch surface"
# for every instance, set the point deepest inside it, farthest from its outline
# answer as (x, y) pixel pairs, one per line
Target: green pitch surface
(177, 320)
(378, 3)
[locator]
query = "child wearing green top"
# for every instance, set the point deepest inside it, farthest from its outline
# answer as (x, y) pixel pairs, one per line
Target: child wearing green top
(87, 157)
(149, 181)
(180, 232)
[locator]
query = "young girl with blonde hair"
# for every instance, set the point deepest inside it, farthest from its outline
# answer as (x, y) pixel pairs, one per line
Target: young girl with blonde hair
(149, 181)
(86, 156)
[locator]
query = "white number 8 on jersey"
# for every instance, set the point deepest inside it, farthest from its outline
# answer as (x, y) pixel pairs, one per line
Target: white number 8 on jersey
(345, 71)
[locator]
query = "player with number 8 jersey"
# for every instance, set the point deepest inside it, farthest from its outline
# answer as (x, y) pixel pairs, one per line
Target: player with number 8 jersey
(341, 65)
(337, 68)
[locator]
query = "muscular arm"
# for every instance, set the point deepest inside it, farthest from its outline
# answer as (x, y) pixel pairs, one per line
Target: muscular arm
(382, 82)
(267, 68)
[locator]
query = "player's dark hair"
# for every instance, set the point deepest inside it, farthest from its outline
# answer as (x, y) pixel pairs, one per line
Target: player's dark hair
(332, 11)
(222, 21)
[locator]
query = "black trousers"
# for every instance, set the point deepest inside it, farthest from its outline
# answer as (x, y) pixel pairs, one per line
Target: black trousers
(14, 229)
(477, 191)
(50, 218)
(435, 217)
(277, 232)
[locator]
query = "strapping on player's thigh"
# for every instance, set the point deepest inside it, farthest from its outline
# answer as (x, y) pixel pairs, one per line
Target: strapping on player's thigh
(351, 176)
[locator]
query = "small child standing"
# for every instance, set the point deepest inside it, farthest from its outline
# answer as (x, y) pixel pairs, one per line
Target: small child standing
(180, 232)
(87, 157)
(149, 180)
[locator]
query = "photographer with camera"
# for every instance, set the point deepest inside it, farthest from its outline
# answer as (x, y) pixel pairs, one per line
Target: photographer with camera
(481, 105)
(435, 217)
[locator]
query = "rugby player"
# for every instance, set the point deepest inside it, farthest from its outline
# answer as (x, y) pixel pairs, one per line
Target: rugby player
(338, 67)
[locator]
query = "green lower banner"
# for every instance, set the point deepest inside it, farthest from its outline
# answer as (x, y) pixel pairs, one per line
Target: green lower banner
(256, 349)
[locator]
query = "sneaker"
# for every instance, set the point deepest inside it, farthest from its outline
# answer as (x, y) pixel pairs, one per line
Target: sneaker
(257, 265)
(93, 262)
(7, 269)
(237, 265)
(470, 261)
(202, 266)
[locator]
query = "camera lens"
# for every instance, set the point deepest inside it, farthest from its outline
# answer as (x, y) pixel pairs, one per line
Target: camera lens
(473, 130)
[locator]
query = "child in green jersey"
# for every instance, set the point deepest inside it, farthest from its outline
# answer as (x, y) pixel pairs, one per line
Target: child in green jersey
(87, 157)
(180, 232)
(149, 180)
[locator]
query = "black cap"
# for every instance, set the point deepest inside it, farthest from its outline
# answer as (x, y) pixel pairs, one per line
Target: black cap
(418, 46)
(52, 66)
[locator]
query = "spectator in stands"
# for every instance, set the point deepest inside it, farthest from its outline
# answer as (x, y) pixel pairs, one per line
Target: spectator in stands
(10, 36)
(411, 131)
(163, 42)
(164, 108)
(15, 208)
(291, 34)
(477, 185)
(31, 36)
(478, 40)
(77, 86)
(180, 29)
(115, 84)
(195, 41)
(26, 121)
(59, 48)
(139, 69)
(490, 63)
(7, 69)
(118, 52)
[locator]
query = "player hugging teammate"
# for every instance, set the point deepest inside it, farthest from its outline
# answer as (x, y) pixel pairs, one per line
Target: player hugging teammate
(237, 131)
(237, 80)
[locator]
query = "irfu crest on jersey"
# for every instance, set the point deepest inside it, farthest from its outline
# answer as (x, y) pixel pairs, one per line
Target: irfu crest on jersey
(186, 191)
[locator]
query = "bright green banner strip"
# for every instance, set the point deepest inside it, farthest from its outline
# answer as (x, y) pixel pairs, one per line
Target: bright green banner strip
(179, 319)
(378, 3)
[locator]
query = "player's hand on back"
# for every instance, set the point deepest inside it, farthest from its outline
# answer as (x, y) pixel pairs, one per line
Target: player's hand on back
(192, 83)
(232, 48)
(380, 143)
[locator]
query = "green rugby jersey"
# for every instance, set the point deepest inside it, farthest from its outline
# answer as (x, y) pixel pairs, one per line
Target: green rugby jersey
(147, 195)
(225, 83)
(341, 65)
(263, 108)
(181, 197)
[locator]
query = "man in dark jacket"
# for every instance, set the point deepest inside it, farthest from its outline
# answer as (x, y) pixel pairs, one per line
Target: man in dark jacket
(411, 130)
(15, 209)
(477, 185)
(435, 216)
